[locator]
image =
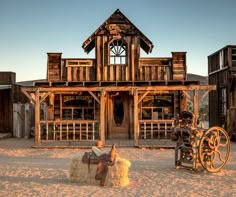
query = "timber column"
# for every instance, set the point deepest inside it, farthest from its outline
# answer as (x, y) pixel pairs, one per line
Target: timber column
(37, 117)
(102, 116)
(136, 126)
(195, 107)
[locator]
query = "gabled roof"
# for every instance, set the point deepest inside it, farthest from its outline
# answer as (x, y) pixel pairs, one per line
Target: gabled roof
(118, 22)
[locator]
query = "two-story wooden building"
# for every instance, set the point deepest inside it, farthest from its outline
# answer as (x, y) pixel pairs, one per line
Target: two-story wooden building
(117, 95)
(222, 103)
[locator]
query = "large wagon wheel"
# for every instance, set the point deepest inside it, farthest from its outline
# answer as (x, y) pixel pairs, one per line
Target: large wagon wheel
(214, 149)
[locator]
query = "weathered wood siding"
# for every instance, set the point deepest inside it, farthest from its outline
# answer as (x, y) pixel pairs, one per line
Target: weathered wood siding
(54, 67)
(152, 69)
(7, 78)
(222, 72)
(179, 65)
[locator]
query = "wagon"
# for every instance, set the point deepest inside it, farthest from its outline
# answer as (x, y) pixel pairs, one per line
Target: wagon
(198, 148)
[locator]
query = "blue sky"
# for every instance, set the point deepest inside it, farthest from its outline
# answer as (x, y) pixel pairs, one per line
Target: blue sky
(31, 28)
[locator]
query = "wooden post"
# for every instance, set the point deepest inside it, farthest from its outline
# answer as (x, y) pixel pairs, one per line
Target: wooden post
(136, 117)
(132, 63)
(37, 117)
(195, 107)
(183, 102)
(102, 117)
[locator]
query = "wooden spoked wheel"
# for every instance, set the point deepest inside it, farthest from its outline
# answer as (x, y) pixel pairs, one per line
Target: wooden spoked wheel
(214, 149)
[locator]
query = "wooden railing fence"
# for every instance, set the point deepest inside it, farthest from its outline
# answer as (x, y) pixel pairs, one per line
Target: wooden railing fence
(69, 130)
(155, 129)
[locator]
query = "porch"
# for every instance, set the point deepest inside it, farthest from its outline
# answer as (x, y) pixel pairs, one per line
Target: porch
(152, 129)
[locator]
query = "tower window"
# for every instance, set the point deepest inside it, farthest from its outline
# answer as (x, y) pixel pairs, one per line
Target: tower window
(118, 52)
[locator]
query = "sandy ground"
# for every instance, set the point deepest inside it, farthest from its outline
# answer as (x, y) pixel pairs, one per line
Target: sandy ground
(25, 171)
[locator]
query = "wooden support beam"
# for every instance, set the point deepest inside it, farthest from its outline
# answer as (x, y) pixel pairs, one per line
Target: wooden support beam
(132, 63)
(102, 116)
(142, 97)
(28, 95)
(183, 102)
(136, 123)
(94, 96)
(37, 118)
(186, 94)
(124, 88)
(195, 107)
(45, 95)
(203, 96)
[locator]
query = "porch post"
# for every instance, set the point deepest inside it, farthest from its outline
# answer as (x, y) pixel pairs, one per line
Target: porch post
(37, 118)
(195, 106)
(102, 117)
(136, 126)
(183, 102)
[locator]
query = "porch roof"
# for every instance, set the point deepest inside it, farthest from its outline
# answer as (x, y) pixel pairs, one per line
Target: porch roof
(118, 86)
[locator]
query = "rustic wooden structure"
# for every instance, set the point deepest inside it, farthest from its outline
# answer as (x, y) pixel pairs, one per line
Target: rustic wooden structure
(116, 95)
(222, 102)
(9, 93)
(197, 147)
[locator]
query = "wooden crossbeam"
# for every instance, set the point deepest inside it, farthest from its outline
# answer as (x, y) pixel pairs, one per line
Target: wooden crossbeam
(28, 95)
(94, 96)
(142, 97)
(44, 96)
(124, 88)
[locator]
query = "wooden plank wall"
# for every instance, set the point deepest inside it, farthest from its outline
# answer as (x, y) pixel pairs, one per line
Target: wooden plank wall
(154, 69)
(179, 65)
(54, 67)
(7, 78)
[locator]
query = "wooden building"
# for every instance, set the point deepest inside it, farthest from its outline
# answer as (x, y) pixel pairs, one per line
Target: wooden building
(222, 102)
(9, 93)
(117, 95)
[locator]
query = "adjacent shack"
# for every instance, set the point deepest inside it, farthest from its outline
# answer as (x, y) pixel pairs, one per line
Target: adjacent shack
(222, 103)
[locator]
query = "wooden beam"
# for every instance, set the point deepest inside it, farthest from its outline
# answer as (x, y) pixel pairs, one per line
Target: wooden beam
(94, 96)
(142, 97)
(44, 96)
(203, 96)
(37, 118)
(187, 94)
(195, 107)
(124, 88)
(136, 123)
(132, 63)
(28, 95)
(102, 117)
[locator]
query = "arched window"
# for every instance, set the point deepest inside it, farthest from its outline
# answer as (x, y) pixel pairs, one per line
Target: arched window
(118, 52)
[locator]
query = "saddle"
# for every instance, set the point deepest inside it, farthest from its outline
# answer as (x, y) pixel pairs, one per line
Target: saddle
(102, 160)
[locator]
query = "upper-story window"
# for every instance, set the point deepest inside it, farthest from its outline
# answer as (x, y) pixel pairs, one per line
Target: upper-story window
(118, 52)
(221, 55)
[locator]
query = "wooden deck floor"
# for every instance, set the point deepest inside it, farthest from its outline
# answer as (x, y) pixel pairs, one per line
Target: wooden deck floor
(163, 143)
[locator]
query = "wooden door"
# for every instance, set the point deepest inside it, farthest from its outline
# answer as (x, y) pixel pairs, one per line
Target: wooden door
(5, 112)
(118, 115)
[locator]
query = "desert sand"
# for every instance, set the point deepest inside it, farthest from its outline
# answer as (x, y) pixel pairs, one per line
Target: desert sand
(25, 171)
